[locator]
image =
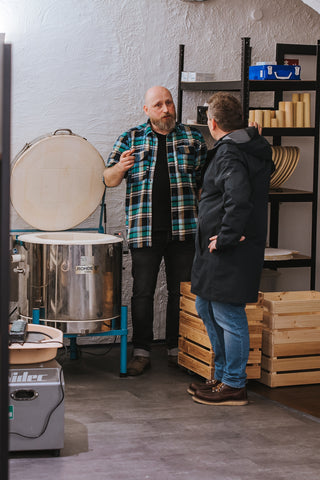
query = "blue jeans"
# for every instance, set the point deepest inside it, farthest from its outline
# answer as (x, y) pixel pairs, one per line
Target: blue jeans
(178, 257)
(227, 328)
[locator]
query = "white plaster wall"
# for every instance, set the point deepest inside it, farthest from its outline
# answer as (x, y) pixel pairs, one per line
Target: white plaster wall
(85, 65)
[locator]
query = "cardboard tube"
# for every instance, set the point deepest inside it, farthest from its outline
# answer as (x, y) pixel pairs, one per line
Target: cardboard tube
(294, 111)
(258, 116)
(281, 118)
(274, 123)
(251, 115)
(307, 109)
(295, 99)
(289, 114)
(267, 118)
(282, 106)
(299, 120)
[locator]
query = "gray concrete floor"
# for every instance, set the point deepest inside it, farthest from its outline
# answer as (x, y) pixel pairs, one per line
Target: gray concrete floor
(148, 427)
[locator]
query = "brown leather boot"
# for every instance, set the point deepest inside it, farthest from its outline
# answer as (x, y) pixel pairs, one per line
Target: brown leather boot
(222, 395)
(137, 365)
(208, 385)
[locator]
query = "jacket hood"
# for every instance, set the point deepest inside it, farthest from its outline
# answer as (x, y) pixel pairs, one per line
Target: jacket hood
(256, 148)
(249, 141)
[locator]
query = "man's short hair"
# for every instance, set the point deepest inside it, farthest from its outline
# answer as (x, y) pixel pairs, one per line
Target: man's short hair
(226, 110)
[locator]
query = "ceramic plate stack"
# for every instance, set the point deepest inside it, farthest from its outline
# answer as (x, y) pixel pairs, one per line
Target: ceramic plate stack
(285, 160)
(277, 254)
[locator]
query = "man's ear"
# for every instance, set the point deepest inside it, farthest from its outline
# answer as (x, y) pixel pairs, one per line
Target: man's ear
(145, 109)
(213, 123)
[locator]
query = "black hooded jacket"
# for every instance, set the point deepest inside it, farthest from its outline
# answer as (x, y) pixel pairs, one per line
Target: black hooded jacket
(234, 203)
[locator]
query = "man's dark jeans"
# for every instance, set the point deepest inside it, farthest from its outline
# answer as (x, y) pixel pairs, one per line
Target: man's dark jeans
(178, 257)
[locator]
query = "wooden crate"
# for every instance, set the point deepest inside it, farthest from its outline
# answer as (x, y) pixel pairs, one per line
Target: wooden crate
(195, 352)
(291, 338)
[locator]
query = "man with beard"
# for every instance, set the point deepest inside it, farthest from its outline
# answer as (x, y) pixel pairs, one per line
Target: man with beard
(161, 162)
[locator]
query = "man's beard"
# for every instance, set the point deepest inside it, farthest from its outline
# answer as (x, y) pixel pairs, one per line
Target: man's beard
(165, 124)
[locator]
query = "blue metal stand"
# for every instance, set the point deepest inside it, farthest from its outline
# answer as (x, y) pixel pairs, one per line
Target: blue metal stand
(122, 332)
(36, 316)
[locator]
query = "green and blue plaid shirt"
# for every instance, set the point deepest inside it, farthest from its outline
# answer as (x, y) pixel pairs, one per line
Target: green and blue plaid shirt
(186, 154)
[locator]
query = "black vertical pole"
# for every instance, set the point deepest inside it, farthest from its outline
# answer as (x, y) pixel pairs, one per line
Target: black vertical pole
(315, 175)
(245, 64)
(181, 66)
(4, 259)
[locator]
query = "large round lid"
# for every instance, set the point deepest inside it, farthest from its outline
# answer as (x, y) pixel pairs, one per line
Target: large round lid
(69, 238)
(56, 181)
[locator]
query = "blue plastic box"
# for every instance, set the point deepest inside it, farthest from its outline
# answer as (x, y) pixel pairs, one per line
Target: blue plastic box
(274, 72)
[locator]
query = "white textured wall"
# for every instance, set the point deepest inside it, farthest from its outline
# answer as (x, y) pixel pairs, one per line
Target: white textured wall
(85, 65)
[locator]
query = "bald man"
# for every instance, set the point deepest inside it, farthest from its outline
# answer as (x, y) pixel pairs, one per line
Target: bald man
(161, 162)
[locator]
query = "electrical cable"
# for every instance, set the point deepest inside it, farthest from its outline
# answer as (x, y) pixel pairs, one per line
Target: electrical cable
(13, 311)
(100, 354)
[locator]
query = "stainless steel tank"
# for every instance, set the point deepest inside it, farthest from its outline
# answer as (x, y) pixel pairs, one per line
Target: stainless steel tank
(74, 278)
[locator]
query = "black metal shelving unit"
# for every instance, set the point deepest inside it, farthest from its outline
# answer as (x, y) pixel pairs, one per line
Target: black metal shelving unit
(5, 70)
(244, 86)
(285, 195)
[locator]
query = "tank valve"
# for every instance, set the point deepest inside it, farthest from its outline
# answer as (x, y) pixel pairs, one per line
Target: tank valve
(19, 270)
(16, 258)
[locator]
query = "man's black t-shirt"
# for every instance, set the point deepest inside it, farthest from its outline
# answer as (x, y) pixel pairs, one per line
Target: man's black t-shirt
(161, 197)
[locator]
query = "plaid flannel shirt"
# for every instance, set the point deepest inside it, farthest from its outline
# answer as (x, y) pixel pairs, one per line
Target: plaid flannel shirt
(186, 154)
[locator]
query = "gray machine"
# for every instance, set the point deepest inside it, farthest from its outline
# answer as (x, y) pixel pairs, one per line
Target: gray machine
(36, 407)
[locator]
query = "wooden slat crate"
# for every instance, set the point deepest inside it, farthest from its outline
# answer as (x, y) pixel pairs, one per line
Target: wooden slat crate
(195, 352)
(291, 338)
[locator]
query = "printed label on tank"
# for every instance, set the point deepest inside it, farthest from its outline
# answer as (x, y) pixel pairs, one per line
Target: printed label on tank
(86, 266)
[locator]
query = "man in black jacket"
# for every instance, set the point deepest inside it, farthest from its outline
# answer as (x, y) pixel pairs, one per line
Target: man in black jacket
(230, 243)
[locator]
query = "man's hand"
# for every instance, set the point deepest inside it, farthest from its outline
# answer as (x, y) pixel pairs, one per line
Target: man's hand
(256, 125)
(213, 242)
(126, 160)
(114, 175)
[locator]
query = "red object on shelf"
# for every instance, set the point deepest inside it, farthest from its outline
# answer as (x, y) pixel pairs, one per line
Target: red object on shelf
(291, 61)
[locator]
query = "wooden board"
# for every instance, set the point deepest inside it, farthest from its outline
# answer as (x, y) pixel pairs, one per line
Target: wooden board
(197, 351)
(192, 321)
(292, 320)
(195, 366)
(289, 342)
(188, 305)
(292, 302)
(291, 349)
(286, 364)
(298, 335)
(197, 336)
(286, 379)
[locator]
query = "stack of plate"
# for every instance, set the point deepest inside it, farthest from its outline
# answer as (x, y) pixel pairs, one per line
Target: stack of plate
(285, 160)
(277, 254)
